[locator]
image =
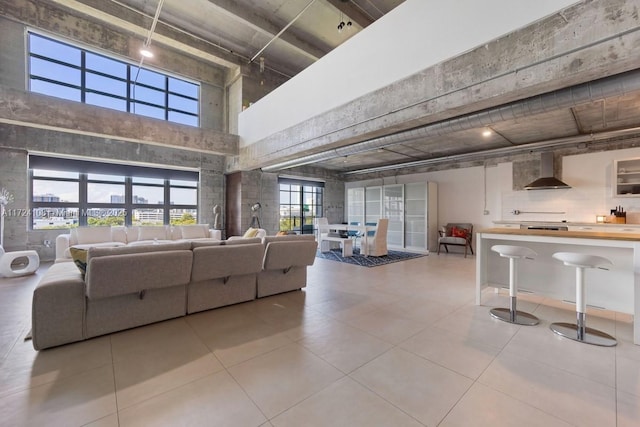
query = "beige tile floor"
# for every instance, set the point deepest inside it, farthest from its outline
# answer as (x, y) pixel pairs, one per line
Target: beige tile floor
(396, 345)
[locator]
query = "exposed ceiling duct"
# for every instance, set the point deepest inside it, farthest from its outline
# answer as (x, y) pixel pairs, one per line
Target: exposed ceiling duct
(477, 155)
(616, 85)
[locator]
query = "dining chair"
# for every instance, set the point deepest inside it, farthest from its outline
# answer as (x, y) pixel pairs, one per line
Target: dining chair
(377, 244)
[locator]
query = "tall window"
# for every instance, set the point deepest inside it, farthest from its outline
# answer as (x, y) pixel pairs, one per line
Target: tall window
(300, 203)
(65, 71)
(68, 193)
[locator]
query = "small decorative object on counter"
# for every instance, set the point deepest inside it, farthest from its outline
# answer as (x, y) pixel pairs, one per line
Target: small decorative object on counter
(618, 216)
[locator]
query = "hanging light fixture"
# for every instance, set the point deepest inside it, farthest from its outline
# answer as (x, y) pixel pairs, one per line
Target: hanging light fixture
(145, 51)
(343, 24)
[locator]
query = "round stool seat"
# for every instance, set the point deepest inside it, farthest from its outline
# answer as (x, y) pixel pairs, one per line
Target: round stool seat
(579, 331)
(511, 314)
(573, 259)
(509, 251)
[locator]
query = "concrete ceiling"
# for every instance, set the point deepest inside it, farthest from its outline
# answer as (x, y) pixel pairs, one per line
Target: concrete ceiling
(606, 115)
(246, 28)
(241, 29)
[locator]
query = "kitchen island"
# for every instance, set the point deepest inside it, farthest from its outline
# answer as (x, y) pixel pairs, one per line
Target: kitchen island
(617, 289)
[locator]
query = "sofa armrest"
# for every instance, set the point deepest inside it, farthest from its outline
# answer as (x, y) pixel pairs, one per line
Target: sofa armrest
(215, 234)
(62, 244)
(58, 307)
(286, 254)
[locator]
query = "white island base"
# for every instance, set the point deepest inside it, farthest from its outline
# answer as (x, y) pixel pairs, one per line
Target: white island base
(616, 289)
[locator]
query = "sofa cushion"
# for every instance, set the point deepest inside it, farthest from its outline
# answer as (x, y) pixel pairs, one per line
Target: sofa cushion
(151, 232)
(119, 233)
(93, 235)
(79, 257)
(453, 240)
(110, 274)
(200, 243)
(195, 231)
(133, 249)
(67, 253)
(288, 237)
(73, 236)
(214, 262)
(132, 233)
(150, 242)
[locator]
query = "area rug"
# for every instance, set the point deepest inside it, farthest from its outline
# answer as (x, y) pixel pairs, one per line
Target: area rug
(371, 261)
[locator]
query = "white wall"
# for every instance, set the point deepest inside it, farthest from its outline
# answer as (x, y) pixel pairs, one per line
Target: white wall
(461, 192)
(590, 176)
(385, 52)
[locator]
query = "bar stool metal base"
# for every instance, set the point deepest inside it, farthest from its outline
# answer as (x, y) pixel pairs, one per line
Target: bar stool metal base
(518, 317)
(588, 335)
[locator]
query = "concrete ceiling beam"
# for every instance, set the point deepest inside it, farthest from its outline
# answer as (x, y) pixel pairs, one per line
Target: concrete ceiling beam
(248, 17)
(44, 112)
(138, 24)
(479, 79)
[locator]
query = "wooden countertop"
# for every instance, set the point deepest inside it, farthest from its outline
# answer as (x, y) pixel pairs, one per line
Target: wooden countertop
(555, 233)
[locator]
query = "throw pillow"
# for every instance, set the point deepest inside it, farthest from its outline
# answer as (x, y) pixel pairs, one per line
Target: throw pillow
(251, 232)
(459, 232)
(79, 257)
(93, 234)
(445, 231)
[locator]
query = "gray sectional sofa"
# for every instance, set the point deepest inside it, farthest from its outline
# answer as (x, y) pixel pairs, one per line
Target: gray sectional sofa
(130, 286)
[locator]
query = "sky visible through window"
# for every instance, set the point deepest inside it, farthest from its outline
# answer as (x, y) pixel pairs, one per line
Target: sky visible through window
(67, 72)
(103, 192)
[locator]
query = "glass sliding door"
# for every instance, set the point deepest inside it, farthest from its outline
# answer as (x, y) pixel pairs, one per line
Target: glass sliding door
(415, 233)
(373, 211)
(393, 205)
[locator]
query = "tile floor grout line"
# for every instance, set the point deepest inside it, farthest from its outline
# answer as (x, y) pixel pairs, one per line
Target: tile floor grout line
(115, 383)
(525, 402)
(378, 394)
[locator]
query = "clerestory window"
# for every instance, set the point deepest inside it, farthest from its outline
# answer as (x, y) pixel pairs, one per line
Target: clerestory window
(70, 72)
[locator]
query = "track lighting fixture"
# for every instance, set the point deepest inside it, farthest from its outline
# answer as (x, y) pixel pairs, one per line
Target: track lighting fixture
(343, 24)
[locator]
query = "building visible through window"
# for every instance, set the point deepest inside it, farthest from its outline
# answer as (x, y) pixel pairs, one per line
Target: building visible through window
(64, 194)
(300, 203)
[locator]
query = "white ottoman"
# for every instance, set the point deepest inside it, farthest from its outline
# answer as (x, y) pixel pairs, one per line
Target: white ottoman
(7, 258)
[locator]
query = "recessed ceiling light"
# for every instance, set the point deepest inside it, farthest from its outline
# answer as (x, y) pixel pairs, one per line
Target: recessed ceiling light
(146, 53)
(486, 133)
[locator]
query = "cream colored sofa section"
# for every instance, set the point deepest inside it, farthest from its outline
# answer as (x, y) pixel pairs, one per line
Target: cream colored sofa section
(285, 263)
(115, 236)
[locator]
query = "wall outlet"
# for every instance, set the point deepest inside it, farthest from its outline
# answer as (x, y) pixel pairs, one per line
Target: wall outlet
(486, 212)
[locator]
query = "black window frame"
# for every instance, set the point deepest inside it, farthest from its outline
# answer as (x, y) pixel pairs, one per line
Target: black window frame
(85, 168)
(131, 82)
(303, 189)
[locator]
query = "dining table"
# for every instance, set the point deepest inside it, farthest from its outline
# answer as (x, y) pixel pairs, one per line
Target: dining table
(363, 229)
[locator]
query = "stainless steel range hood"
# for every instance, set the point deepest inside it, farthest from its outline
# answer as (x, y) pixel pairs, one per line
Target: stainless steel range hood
(547, 180)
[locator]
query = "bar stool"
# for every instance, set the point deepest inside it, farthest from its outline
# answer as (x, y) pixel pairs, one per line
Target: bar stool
(579, 331)
(511, 314)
